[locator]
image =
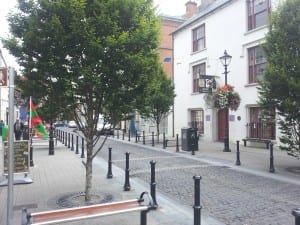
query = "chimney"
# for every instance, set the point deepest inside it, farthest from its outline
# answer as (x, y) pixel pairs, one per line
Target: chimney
(191, 9)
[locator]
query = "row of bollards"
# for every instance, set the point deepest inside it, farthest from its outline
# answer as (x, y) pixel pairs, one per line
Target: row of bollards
(238, 162)
(197, 205)
(68, 140)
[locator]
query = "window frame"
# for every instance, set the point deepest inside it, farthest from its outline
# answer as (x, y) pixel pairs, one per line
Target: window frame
(195, 123)
(253, 13)
(197, 40)
(197, 70)
(254, 63)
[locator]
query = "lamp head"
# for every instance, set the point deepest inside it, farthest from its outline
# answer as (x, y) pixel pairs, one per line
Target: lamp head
(225, 59)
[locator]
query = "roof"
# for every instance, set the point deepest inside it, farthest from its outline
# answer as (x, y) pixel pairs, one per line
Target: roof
(172, 18)
(203, 12)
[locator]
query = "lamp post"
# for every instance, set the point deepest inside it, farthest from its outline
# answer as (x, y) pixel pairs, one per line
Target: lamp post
(225, 60)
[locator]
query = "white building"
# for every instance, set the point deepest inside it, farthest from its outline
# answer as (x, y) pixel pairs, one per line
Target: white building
(238, 26)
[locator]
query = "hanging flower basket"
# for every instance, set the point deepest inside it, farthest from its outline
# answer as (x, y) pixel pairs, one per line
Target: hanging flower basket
(226, 97)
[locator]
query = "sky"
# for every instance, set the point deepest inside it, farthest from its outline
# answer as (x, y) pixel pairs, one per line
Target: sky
(167, 7)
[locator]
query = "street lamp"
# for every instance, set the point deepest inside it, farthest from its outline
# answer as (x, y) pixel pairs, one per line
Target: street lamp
(225, 60)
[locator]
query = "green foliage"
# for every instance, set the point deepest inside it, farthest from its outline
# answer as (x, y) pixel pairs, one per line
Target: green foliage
(280, 87)
(94, 54)
(159, 98)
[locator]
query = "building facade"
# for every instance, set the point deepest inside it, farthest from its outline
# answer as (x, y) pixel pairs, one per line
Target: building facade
(239, 27)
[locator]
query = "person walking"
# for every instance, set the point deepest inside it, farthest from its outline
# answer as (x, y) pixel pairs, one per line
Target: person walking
(1, 126)
(18, 129)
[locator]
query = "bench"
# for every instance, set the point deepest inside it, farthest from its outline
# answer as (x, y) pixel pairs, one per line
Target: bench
(266, 141)
(88, 212)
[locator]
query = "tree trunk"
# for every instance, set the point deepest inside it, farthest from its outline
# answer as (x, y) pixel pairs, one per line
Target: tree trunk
(157, 131)
(89, 170)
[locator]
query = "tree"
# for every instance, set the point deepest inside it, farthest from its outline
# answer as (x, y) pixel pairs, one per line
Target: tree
(158, 100)
(280, 87)
(86, 51)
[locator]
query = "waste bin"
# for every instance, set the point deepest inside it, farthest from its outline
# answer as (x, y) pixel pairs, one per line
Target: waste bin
(189, 139)
(25, 132)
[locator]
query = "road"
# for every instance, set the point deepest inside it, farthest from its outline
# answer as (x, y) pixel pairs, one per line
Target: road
(228, 195)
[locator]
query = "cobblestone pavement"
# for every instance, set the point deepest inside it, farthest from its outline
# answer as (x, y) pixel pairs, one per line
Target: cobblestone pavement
(232, 197)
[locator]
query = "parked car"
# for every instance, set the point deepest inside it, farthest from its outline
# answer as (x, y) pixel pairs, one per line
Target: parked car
(72, 124)
(103, 127)
(59, 124)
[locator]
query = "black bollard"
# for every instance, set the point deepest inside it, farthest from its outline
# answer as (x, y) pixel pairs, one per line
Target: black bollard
(164, 141)
(66, 139)
(153, 184)
(129, 135)
(197, 206)
(56, 137)
(127, 183)
(177, 143)
(51, 141)
(82, 148)
(69, 140)
(31, 154)
(77, 152)
(118, 134)
(136, 136)
(72, 143)
(109, 172)
(144, 142)
(296, 214)
(238, 162)
(62, 137)
(271, 170)
(123, 134)
(152, 138)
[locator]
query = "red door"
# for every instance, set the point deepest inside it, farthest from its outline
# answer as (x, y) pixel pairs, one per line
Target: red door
(221, 124)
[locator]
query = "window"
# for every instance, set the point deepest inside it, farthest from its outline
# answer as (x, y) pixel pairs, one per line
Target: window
(199, 38)
(198, 70)
(262, 123)
(258, 13)
(197, 120)
(257, 62)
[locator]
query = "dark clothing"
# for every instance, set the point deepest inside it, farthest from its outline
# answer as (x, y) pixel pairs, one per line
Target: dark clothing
(18, 129)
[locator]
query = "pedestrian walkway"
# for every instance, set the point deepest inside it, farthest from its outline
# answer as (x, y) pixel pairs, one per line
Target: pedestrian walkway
(62, 174)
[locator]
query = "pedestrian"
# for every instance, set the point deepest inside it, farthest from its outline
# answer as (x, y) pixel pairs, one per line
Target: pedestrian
(1, 126)
(18, 129)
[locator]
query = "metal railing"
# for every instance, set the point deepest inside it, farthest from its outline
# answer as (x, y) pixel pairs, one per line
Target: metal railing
(261, 130)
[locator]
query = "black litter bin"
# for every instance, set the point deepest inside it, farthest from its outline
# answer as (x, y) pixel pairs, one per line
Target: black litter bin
(189, 139)
(25, 132)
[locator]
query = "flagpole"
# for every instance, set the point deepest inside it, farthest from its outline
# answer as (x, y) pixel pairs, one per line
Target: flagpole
(30, 134)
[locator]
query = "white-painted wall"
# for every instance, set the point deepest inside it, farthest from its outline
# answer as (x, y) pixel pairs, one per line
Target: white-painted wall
(225, 28)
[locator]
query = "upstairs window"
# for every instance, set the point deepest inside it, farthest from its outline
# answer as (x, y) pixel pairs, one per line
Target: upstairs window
(257, 63)
(198, 70)
(258, 13)
(199, 38)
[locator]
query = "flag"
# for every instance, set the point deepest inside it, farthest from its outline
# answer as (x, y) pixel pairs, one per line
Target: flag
(36, 122)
